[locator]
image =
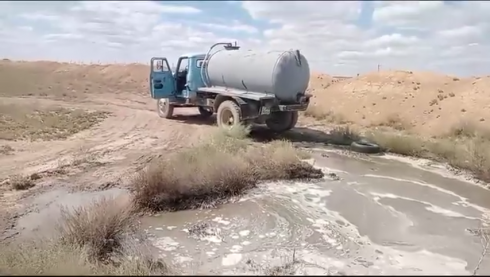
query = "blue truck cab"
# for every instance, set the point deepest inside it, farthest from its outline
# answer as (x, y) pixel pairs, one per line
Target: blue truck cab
(178, 85)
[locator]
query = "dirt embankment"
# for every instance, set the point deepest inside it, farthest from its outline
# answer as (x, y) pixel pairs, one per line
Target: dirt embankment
(426, 103)
(65, 80)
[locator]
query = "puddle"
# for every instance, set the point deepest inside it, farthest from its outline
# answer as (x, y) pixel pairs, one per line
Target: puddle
(42, 221)
(378, 217)
(239, 237)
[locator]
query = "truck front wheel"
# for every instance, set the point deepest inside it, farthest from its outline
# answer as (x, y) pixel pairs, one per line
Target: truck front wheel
(164, 108)
(282, 121)
(228, 114)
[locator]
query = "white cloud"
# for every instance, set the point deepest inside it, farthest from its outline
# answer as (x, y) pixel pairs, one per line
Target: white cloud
(234, 27)
(103, 31)
(392, 39)
(301, 11)
(403, 34)
(336, 37)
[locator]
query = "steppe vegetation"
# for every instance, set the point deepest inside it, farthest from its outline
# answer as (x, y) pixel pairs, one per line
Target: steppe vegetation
(433, 120)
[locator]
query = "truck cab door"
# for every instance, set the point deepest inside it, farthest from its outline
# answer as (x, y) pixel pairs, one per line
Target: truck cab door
(162, 82)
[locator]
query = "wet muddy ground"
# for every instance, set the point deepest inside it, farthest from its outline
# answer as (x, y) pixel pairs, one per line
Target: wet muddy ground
(373, 215)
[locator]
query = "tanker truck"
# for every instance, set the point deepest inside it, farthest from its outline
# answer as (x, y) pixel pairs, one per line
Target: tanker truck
(239, 86)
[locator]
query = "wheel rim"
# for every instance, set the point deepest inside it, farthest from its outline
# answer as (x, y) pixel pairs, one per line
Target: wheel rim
(162, 105)
(227, 118)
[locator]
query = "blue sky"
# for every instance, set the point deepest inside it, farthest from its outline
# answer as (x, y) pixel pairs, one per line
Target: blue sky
(338, 37)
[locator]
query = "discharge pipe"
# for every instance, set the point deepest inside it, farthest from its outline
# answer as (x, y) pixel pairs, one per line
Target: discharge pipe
(227, 46)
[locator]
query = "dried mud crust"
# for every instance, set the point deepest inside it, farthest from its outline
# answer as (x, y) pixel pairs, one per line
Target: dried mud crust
(20, 122)
(9, 215)
(7, 223)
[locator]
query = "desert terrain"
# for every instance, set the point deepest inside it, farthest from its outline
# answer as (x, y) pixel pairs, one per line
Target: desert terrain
(73, 129)
(426, 103)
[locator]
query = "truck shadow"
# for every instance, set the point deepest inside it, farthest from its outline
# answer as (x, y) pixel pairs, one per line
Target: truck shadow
(300, 136)
(196, 119)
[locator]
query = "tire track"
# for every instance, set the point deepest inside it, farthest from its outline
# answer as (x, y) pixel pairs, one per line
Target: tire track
(131, 129)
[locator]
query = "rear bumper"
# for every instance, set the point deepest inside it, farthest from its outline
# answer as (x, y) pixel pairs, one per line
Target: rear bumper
(290, 108)
(302, 105)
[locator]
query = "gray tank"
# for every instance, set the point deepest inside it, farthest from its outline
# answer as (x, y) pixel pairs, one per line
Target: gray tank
(282, 73)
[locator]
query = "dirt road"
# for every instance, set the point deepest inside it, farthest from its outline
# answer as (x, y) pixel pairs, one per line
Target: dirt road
(133, 128)
(127, 140)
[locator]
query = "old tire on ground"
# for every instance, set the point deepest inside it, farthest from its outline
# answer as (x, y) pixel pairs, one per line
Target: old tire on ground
(365, 146)
(205, 112)
(282, 121)
(164, 108)
(228, 114)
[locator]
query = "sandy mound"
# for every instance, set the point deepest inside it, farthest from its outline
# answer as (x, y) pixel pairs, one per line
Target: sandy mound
(428, 102)
(48, 78)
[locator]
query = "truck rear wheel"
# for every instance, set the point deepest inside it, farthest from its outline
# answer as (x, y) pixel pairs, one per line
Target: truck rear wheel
(228, 114)
(282, 121)
(294, 120)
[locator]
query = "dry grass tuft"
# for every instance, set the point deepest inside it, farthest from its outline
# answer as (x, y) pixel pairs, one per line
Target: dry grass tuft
(100, 227)
(462, 148)
(397, 143)
(468, 129)
(237, 132)
(211, 173)
(91, 243)
(394, 121)
(343, 135)
(19, 182)
(185, 180)
(84, 157)
(49, 257)
(328, 116)
(6, 150)
(278, 160)
(24, 123)
(43, 258)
